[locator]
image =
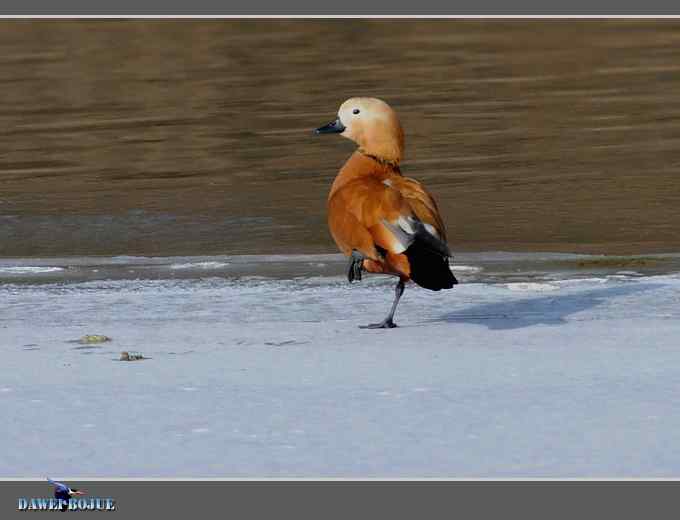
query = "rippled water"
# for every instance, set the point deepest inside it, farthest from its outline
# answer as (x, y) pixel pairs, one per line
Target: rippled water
(181, 137)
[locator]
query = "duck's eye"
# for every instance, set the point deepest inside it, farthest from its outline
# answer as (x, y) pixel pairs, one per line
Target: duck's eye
(355, 111)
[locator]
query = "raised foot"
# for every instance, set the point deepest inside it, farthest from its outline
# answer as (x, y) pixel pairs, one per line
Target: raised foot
(386, 324)
(356, 264)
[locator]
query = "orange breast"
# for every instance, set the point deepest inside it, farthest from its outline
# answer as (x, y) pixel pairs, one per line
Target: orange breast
(369, 207)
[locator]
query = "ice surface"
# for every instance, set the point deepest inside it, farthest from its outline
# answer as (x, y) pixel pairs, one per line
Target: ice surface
(29, 269)
(199, 265)
(531, 286)
(465, 268)
(269, 376)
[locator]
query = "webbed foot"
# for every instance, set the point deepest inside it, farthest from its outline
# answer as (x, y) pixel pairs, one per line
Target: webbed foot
(385, 324)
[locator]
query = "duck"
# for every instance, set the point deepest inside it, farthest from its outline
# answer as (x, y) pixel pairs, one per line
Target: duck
(381, 220)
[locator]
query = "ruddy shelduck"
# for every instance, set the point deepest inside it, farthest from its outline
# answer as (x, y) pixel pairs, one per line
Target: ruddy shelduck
(384, 222)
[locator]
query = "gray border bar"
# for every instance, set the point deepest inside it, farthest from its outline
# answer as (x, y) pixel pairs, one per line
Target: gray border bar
(346, 7)
(367, 499)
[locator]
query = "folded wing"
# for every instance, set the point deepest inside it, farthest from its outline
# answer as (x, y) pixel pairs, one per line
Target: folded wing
(390, 214)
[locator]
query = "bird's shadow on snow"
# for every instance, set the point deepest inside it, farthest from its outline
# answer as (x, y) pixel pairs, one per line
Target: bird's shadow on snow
(545, 310)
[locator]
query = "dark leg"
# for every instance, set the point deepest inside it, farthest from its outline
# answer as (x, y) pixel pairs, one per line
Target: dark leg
(388, 323)
(356, 264)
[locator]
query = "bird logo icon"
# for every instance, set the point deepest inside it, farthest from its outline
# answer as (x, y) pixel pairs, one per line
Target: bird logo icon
(64, 493)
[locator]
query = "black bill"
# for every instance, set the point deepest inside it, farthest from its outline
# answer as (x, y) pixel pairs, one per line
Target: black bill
(334, 127)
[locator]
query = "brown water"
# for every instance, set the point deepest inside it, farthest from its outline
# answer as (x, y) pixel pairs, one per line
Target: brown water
(183, 137)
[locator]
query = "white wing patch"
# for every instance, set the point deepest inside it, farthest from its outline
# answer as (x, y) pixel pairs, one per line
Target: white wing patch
(405, 230)
(406, 224)
(410, 225)
(431, 230)
(403, 238)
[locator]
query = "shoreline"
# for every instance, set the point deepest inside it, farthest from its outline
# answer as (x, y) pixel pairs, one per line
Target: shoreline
(488, 267)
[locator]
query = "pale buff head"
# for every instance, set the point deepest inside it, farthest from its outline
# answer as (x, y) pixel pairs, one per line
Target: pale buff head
(372, 124)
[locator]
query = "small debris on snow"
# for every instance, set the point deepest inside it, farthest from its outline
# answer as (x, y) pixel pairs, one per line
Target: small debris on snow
(132, 356)
(89, 339)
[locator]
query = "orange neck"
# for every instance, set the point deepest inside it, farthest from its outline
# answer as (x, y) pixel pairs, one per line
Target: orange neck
(360, 165)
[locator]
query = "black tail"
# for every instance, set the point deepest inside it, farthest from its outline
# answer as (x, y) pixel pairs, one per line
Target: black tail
(429, 269)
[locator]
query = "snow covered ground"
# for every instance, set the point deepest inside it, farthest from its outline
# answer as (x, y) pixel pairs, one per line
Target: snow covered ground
(514, 373)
